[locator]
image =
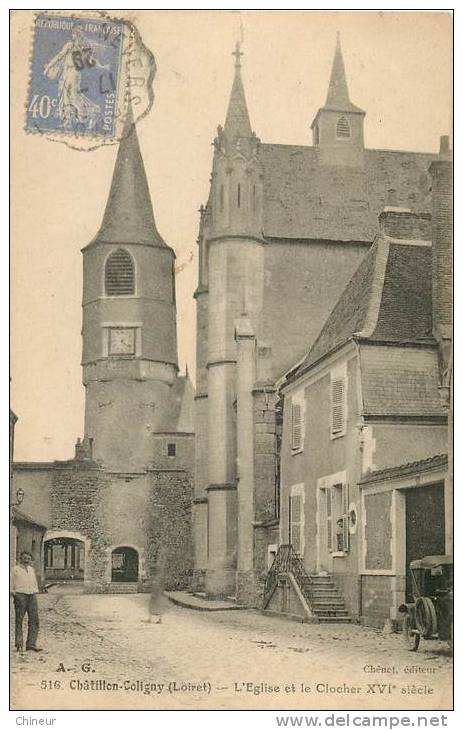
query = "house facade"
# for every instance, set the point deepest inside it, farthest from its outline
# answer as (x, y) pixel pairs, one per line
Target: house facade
(364, 473)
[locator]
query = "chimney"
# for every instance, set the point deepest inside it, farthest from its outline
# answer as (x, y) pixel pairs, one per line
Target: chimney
(400, 223)
(84, 449)
(442, 239)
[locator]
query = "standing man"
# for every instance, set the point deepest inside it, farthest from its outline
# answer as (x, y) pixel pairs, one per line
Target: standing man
(24, 589)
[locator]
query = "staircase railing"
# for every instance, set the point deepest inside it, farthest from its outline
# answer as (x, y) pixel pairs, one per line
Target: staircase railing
(287, 561)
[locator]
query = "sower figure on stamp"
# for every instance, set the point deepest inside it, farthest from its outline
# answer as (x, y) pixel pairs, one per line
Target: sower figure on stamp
(66, 66)
(24, 589)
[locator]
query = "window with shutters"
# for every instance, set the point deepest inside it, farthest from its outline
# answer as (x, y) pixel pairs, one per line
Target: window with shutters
(338, 406)
(297, 423)
(119, 274)
(296, 518)
(342, 128)
(337, 518)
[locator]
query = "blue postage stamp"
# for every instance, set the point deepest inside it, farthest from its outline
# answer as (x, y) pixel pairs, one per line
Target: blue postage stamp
(75, 76)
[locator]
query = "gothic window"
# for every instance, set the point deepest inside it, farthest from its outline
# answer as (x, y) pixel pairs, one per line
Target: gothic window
(173, 282)
(119, 274)
(238, 200)
(342, 128)
(316, 135)
(221, 196)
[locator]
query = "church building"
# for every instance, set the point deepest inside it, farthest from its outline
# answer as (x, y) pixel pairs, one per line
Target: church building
(284, 229)
(123, 503)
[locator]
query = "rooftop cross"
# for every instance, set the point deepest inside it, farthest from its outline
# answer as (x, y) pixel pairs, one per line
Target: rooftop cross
(237, 53)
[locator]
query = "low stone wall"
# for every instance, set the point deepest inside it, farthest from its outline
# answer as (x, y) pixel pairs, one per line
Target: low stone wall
(377, 600)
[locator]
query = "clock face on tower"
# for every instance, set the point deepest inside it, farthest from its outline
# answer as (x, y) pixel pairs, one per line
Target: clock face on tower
(122, 341)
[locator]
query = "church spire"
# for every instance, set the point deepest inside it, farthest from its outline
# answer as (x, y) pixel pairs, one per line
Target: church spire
(338, 93)
(237, 122)
(129, 217)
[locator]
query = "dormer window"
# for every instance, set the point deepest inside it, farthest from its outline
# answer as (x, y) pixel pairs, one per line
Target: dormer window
(342, 128)
(119, 274)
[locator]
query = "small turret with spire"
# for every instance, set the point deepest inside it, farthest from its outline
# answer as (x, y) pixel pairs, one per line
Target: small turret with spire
(338, 126)
(236, 178)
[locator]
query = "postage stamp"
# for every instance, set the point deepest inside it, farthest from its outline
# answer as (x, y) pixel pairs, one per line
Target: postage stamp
(83, 74)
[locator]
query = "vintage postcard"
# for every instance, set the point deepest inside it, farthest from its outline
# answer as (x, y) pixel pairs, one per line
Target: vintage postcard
(231, 415)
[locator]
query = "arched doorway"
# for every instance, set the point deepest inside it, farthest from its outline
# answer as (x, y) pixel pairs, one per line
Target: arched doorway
(124, 565)
(64, 559)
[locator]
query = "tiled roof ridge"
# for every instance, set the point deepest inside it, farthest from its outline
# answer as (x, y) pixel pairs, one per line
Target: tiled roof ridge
(366, 150)
(25, 517)
(411, 466)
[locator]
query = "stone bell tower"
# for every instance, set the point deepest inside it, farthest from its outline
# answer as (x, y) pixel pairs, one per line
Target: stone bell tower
(129, 356)
(232, 273)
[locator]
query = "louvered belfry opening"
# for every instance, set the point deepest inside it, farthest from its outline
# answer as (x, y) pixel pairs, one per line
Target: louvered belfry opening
(119, 274)
(343, 128)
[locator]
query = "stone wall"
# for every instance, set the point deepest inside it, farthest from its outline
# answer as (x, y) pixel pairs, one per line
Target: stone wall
(294, 315)
(376, 599)
(168, 527)
(150, 512)
(265, 448)
(378, 531)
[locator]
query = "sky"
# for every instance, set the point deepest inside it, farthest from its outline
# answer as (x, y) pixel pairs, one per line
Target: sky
(398, 67)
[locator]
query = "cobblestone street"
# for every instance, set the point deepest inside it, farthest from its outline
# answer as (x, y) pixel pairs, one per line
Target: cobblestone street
(101, 652)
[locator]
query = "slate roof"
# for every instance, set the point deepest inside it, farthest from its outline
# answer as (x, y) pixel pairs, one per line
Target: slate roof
(20, 516)
(413, 467)
(388, 299)
(338, 98)
(129, 217)
(307, 200)
(237, 123)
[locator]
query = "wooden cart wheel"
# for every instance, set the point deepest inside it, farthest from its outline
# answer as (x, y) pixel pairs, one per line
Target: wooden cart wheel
(411, 636)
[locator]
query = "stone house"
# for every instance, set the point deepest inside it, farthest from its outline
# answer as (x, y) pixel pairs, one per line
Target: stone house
(364, 478)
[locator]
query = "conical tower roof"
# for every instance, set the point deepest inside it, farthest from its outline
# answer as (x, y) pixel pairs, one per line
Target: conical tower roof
(337, 98)
(237, 123)
(129, 217)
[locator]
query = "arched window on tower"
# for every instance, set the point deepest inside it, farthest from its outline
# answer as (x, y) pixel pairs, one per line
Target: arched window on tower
(342, 128)
(221, 197)
(119, 274)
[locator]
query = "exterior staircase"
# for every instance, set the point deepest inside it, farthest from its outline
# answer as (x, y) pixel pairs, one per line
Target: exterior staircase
(326, 600)
(318, 594)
